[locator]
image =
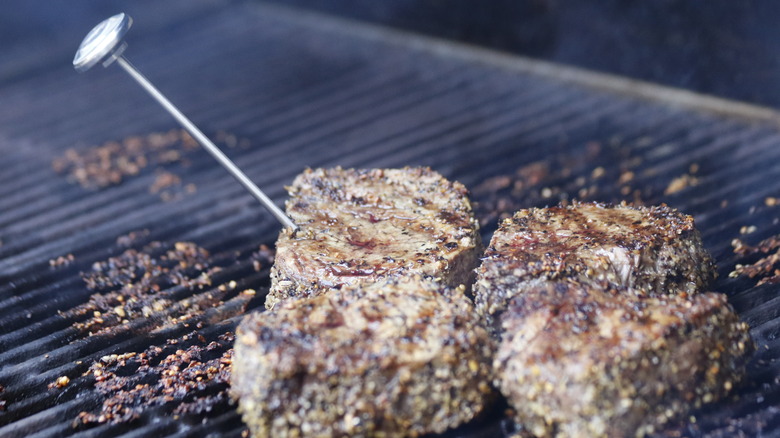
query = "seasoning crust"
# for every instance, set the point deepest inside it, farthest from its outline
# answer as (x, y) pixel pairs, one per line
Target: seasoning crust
(577, 360)
(405, 356)
(654, 249)
(602, 325)
(359, 225)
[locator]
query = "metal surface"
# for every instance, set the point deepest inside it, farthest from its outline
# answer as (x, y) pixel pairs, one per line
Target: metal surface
(311, 91)
(104, 43)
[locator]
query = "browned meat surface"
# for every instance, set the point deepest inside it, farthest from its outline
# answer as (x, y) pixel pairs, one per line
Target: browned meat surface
(577, 360)
(362, 225)
(656, 249)
(401, 357)
(603, 329)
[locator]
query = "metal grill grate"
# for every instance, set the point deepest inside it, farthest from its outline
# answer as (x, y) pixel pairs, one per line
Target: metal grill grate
(311, 91)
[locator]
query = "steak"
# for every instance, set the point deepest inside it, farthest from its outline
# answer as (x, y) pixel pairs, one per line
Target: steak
(579, 360)
(403, 356)
(362, 225)
(603, 329)
(654, 249)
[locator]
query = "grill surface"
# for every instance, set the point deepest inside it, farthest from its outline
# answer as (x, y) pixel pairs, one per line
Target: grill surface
(311, 91)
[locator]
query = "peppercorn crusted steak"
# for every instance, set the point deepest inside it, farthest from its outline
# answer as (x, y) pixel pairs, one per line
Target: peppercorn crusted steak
(362, 225)
(603, 329)
(655, 249)
(404, 356)
(578, 360)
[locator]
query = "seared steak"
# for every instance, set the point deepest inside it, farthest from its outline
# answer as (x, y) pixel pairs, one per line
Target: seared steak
(603, 329)
(362, 225)
(655, 249)
(404, 356)
(579, 360)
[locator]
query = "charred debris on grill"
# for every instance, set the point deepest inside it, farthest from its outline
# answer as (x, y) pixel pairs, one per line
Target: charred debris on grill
(163, 183)
(141, 284)
(608, 171)
(165, 288)
(61, 382)
(263, 257)
(681, 183)
(766, 268)
(113, 162)
(159, 285)
(132, 238)
(560, 178)
(188, 375)
(62, 261)
(110, 163)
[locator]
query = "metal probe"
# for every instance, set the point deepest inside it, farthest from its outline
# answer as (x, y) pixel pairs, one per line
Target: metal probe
(104, 43)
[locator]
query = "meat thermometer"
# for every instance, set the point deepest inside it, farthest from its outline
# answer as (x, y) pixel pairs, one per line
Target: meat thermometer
(105, 44)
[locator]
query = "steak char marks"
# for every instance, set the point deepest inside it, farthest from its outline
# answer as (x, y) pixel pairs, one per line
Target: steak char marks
(362, 225)
(655, 249)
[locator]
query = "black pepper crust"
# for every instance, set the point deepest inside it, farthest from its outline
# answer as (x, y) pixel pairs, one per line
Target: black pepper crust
(359, 225)
(405, 356)
(578, 360)
(655, 249)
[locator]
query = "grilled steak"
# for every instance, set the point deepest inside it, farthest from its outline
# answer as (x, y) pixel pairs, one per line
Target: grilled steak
(580, 360)
(404, 356)
(655, 249)
(362, 225)
(603, 331)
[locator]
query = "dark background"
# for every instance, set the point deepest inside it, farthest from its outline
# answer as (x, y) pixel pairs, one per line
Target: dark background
(721, 47)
